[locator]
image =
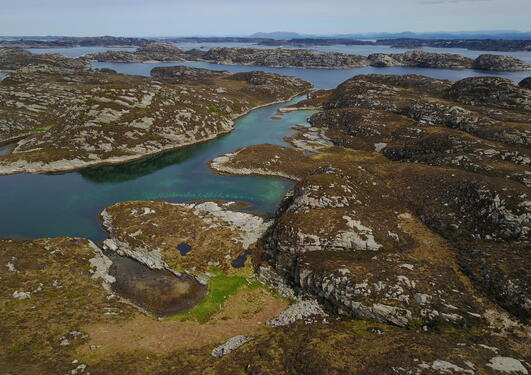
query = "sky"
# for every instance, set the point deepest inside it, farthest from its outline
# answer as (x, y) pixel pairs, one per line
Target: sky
(244, 17)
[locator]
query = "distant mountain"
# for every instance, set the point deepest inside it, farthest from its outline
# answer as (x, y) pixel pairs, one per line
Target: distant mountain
(485, 34)
(480, 34)
(279, 35)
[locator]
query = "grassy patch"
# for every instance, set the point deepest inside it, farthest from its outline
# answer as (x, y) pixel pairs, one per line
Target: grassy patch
(213, 108)
(221, 286)
(39, 130)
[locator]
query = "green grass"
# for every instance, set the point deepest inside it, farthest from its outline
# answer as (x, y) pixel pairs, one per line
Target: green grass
(213, 108)
(39, 130)
(220, 287)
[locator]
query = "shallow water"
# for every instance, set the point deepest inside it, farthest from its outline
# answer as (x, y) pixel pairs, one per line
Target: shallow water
(157, 291)
(68, 204)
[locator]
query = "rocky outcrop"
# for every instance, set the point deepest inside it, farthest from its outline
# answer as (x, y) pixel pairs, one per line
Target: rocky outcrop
(71, 119)
(157, 51)
(525, 83)
(421, 59)
(172, 236)
(231, 345)
(493, 91)
(337, 236)
(15, 58)
(284, 58)
(500, 63)
(185, 74)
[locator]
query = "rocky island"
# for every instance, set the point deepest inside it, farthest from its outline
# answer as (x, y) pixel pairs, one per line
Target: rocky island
(335, 60)
(405, 236)
(14, 58)
(65, 119)
(401, 248)
(300, 58)
(149, 52)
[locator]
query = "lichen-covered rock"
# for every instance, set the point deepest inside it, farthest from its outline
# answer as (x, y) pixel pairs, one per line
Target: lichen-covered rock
(421, 59)
(499, 63)
(155, 51)
(348, 225)
(231, 345)
(70, 119)
(187, 236)
(16, 58)
(491, 91)
(284, 58)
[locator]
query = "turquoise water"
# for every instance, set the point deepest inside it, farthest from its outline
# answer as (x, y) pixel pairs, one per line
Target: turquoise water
(68, 204)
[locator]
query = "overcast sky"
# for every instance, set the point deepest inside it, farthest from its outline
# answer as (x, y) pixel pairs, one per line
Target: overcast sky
(241, 17)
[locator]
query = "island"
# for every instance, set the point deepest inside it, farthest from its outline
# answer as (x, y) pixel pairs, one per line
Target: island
(63, 119)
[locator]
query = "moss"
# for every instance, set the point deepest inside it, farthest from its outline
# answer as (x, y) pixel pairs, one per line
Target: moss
(213, 108)
(220, 287)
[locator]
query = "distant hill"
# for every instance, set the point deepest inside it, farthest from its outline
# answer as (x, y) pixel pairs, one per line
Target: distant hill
(480, 34)
(279, 35)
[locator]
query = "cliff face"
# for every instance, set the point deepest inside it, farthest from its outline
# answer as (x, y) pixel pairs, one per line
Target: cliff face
(71, 119)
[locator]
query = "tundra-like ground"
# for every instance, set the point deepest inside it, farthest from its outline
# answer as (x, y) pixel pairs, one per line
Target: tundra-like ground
(64, 119)
(403, 248)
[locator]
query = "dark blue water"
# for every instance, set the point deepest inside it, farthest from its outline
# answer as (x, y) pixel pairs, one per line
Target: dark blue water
(321, 78)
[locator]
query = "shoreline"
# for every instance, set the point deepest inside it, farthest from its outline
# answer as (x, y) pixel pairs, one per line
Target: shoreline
(5, 171)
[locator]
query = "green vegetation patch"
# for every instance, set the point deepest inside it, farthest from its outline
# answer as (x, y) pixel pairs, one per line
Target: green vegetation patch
(220, 287)
(39, 130)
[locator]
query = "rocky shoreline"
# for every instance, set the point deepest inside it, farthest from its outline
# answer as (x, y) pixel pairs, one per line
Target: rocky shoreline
(402, 248)
(13, 58)
(140, 107)
(334, 60)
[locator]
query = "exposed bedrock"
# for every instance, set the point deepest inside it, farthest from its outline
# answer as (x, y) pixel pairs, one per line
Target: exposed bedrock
(70, 119)
(16, 58)
(457, 187)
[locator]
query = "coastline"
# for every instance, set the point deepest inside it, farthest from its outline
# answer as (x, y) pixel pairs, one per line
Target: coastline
(77, 164)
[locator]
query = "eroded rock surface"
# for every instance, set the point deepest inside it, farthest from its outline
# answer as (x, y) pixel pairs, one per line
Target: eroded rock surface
(499, 63)
(71, 119)
(364, 234)
(15, 58)
(156, 51)
(153, 233)
(283, 58)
